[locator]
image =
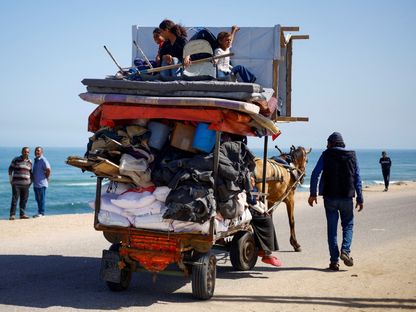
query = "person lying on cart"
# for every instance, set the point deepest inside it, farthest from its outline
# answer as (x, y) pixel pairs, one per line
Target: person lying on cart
(264, 232)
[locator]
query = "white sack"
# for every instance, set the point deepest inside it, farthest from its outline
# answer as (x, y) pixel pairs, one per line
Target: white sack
(161, 192)
(133, 200)
(112, 219)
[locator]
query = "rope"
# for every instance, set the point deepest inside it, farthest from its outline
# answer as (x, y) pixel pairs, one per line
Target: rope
(295, 184)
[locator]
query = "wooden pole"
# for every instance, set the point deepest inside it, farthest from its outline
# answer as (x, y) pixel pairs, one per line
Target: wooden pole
(289, 53)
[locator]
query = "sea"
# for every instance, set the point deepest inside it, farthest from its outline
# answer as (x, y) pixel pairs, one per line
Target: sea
(70, 189)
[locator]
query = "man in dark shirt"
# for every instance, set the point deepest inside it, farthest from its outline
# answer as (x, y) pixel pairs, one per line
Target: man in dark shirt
(385, 163)
(339, 182)
(20, 177)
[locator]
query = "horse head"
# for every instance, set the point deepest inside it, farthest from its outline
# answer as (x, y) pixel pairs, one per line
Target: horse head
(299, 157)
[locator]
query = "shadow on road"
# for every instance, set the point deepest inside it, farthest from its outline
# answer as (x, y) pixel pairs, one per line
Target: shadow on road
(46, 281)
(362, 303)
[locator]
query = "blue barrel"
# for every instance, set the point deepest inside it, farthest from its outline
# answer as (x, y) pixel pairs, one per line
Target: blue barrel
(204, 139)
(159, 134)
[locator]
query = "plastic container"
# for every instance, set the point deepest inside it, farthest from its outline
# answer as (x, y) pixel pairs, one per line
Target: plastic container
(204, 139)
(159, 134)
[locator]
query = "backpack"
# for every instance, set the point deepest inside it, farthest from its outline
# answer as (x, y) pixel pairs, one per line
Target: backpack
(205, 34)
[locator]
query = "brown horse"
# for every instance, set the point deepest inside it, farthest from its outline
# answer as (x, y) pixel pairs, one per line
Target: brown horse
(281, 183)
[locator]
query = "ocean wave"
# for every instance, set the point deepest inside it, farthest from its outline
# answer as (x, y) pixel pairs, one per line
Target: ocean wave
(80, 184)
(378, 182)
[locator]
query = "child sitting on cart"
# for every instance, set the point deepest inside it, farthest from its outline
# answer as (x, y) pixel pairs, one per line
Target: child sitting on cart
(264, 232)
(224, 67)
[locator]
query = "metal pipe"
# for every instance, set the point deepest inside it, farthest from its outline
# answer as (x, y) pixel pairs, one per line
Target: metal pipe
(97, 200)
(263, 188)
(216, 162)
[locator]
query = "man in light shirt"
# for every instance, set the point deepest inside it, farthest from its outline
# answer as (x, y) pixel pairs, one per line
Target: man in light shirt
(41, 174)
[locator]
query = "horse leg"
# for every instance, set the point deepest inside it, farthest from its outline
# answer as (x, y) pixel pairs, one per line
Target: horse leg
(290, 207)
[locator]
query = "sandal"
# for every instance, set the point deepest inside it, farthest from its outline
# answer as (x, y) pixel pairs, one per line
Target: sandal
(272, 261)
(348, 261)
(334, 266)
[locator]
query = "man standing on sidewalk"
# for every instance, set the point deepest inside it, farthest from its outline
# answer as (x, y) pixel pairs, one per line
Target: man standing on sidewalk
(41, 173)
(20, 177)
(339, 182)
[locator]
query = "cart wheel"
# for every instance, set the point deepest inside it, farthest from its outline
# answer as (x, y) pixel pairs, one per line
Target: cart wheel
(125, 276)
(112, 237)
(243, 253)
(204, 272)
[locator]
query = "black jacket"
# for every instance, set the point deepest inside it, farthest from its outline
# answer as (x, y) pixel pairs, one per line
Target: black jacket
(338, 173)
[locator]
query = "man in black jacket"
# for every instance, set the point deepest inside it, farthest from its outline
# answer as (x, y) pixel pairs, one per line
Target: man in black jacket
(339, 182)
(385, 163)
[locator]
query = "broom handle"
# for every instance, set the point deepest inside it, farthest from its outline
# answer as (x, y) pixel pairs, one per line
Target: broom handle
(207, 59)
(144, 55)
(119, 67)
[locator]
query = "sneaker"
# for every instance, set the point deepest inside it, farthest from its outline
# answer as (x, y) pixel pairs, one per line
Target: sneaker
(12, 218)
(24, 217)
(272, 261)
(348, 261)
(334, 266)
(38, 215)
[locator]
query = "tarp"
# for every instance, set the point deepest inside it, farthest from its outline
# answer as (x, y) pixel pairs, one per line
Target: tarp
(111, 115)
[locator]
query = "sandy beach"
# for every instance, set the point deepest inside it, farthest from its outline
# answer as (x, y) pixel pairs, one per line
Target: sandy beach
(53, 263)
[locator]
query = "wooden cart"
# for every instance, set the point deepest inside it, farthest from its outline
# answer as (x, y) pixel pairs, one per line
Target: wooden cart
(135, 249)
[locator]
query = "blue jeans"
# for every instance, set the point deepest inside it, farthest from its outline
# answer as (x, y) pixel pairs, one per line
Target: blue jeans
(40, 193)
(174, 72)
(245, 74)
(335, 208)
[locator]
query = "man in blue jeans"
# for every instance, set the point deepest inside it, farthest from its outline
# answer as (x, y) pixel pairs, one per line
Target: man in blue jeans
(339, 182)
(41, 173)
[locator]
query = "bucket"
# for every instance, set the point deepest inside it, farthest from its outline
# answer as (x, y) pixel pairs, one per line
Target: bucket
(159, 134)
(204, 139)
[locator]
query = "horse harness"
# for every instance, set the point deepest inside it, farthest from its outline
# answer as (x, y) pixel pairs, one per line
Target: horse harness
(278, 176)
(277, 172)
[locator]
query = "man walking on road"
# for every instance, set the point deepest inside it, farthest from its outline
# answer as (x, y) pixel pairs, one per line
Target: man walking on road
(339, 182)
(385, 163)
(41, 173)
(20, 177)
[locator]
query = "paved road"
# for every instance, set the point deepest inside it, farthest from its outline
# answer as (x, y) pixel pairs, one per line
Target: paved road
(60, 273)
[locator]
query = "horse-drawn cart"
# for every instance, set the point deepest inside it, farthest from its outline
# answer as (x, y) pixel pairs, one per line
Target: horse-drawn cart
(231, 111)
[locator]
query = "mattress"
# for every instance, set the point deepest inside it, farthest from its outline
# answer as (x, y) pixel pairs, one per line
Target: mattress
(100, 98)
(178, 85)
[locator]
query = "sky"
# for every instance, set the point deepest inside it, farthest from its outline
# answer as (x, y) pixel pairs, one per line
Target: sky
(355, 74)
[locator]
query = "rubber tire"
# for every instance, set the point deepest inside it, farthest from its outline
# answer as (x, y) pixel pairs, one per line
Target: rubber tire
(112, 237)
(125, 277)
(204, 273)
(243, 251)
